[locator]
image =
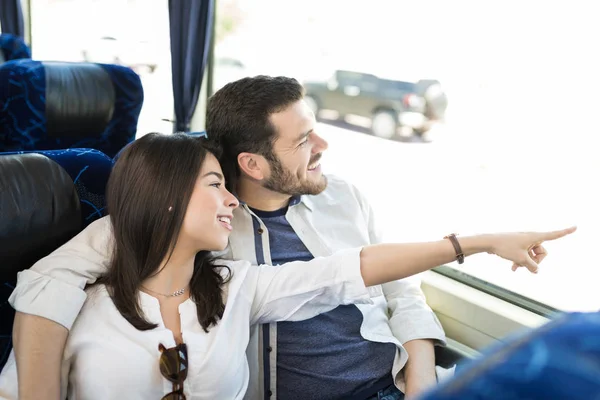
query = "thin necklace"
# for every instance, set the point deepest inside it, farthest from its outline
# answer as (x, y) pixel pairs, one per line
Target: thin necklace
(174, 294)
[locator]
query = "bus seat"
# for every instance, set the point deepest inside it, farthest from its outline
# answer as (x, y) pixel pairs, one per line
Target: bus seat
(89, 169)
(59, 105)
(46, 198)
(559, 360)
(13, 48)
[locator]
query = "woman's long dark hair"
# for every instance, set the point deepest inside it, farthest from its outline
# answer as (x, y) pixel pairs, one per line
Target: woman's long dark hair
(152, 175)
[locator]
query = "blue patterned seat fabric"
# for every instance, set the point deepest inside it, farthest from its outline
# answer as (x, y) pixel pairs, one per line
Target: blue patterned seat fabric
(560, 360)
(89, 169)
(35, 95)
(13, 47)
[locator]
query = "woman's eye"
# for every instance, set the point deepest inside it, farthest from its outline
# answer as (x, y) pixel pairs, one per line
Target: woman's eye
(217, 185)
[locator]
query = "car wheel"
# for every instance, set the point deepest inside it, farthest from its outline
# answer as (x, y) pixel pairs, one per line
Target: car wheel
(384, 124)
(313, 104)
(420, 132)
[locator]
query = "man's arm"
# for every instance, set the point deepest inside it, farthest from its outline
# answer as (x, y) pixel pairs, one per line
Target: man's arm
(415, 325)
(48, 297)
(38, 345)
(412, 321)
(419, 372)
(53, 287)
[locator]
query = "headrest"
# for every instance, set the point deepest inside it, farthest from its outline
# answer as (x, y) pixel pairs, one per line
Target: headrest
(80, 99)
(59, 105)
(89, 169)
(13, 47)
(39, 210)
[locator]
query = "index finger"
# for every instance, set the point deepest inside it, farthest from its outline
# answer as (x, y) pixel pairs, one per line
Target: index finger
(553, 235)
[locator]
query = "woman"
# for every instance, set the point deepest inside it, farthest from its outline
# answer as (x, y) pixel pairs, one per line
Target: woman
(169, 321)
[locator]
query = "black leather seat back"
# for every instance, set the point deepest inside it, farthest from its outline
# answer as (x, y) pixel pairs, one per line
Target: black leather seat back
(39, 210)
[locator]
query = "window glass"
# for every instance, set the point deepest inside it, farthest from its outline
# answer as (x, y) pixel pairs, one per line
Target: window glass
(482, 139)
(134, 33)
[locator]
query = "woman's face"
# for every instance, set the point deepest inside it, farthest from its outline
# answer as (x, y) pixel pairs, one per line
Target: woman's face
(207, 221)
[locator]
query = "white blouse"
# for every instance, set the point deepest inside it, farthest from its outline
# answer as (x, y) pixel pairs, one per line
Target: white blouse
(106, 357)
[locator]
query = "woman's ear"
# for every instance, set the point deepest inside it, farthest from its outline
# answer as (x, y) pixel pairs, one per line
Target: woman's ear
(253, 165)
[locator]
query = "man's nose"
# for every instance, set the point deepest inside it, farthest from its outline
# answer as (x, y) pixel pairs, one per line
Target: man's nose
(319, 144)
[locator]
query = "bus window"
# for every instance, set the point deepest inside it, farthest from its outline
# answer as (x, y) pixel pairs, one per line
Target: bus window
(133, 33)
(478, 137)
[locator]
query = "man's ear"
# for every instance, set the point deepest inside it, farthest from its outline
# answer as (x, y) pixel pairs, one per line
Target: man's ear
(253, 165)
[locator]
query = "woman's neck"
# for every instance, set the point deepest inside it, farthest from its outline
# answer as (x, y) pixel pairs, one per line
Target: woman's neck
(175, 275)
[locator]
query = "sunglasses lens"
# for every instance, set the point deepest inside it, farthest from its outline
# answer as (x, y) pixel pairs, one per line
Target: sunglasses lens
(173, 364)
(178, 395)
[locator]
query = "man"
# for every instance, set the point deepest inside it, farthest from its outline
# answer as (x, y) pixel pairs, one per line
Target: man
(289, 211)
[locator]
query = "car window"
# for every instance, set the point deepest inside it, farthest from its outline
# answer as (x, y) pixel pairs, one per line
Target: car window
(365, 82)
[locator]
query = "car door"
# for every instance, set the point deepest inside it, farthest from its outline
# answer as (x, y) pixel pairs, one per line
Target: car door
(352, 93)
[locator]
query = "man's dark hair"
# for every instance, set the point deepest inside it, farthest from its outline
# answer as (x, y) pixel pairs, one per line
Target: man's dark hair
(237, 118)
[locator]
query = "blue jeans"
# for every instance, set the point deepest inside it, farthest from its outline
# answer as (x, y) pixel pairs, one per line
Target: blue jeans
(389, 393)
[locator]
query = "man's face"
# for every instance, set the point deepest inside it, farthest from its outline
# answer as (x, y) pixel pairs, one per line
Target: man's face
(296, 169)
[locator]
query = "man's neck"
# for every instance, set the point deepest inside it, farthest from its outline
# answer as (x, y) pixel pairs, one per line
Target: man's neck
(260, 198)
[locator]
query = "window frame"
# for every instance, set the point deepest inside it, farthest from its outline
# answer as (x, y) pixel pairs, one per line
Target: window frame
(502, 293)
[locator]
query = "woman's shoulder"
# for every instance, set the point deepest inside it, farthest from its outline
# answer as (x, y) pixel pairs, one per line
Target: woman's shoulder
(97, 297)
(239, 275)
(97, 310)
(97, 290)
(231, 267)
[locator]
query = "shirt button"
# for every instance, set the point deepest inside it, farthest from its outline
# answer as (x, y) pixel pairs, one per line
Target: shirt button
(260, 231)
(270, 393)
(270, 349)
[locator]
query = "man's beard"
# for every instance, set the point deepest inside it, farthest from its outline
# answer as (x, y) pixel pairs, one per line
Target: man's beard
(284, 181)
